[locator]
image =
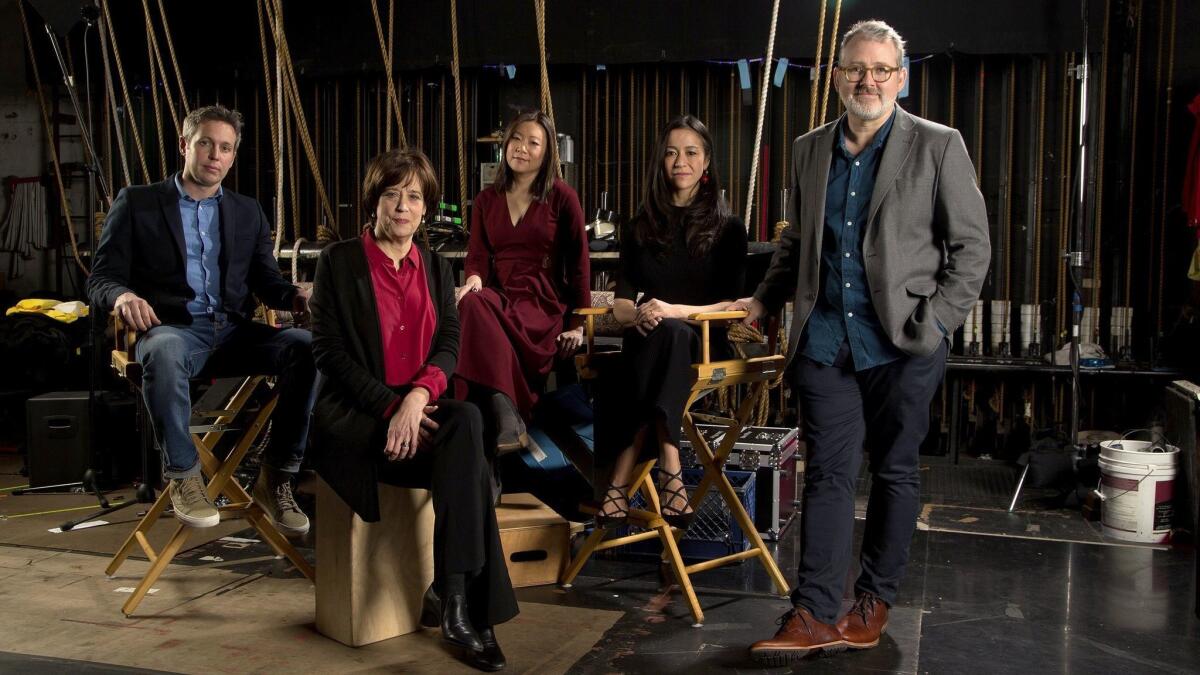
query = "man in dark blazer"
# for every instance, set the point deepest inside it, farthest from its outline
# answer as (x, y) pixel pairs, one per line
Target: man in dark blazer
(180, 261)
(886, 255)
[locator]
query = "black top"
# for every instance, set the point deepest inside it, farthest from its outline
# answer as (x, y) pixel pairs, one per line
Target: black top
(674, 276)
(142, 250)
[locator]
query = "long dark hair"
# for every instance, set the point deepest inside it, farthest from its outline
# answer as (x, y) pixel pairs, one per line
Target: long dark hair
(543, 183)
(704, 218)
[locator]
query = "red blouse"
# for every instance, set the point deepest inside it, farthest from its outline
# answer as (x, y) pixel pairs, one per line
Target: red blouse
(407, 322)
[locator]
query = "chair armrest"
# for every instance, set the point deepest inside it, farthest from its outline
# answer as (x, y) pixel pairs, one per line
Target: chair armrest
(124, 339)
(589, 326)
(719, 316)
(124, 335)
(704, 318)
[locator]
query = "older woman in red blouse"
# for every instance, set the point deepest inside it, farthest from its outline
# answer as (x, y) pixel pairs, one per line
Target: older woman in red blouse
(385, 338)
(527, 268)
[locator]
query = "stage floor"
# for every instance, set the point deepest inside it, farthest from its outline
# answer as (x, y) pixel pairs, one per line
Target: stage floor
(982, 594)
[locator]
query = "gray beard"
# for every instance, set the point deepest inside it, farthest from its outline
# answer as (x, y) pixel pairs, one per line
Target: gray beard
(863, 112)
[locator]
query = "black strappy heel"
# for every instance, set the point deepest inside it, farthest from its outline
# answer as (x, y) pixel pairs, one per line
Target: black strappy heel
(614, 495)
(675, 516)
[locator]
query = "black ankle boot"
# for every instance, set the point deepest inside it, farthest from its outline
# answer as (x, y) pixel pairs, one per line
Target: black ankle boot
(456, 624)
(490, 658)
(511, 434)
(431, 608)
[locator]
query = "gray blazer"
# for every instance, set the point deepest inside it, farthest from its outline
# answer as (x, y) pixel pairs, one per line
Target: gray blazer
(926, 247)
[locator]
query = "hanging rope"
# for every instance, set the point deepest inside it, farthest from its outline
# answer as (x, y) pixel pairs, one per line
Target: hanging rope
(183, 104)
(815, 73)
(1039, 173)
(762, 113)
(112, 109)
(1162, 212)
(980, 90)
(1136, 8)
(455, 64)
(539, 7)
(391, 51)
(833, 41)
(62, 191)
(162, 151)
(1098, 203)
(270, 84)
(953, 89)
(137, 137)
(157, 55)
(275, 17)
(394, 102)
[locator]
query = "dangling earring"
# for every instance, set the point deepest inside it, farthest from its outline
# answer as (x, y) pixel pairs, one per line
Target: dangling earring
(704, 178)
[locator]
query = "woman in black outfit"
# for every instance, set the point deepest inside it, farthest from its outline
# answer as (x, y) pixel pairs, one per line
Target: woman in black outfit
(684, 253)
(385, 338)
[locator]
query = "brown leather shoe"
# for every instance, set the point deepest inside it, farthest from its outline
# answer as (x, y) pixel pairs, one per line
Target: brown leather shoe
(864, 623)
(799, 635)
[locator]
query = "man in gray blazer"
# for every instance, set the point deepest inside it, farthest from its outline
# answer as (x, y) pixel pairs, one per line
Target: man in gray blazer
(887, 253)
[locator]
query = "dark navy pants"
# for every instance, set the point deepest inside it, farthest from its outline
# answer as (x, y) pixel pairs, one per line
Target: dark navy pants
(885, 408)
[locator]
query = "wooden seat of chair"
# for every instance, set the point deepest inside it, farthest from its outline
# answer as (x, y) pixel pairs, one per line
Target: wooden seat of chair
(218, 472)
(707, 376)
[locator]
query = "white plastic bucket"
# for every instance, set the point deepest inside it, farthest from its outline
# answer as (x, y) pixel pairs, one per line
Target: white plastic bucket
(1137, 488)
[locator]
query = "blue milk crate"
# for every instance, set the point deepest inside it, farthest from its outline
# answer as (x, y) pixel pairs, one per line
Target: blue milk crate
(713, 533)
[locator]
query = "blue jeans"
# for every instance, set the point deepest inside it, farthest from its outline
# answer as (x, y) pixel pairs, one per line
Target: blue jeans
(171, 355)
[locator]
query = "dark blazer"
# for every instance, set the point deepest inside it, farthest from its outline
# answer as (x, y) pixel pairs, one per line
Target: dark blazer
(926, 246)
(142, 250)
(349, 426)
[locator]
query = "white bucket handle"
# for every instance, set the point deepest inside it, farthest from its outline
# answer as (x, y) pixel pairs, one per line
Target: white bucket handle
(1165, 442)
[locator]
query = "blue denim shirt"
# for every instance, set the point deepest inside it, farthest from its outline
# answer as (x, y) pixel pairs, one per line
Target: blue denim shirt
(844, 313)
(202, 242)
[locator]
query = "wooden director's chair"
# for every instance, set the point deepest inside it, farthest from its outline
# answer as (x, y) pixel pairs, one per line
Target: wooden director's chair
(707, 377)
(219, 473)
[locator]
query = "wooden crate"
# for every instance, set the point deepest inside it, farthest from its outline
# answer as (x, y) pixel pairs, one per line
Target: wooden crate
(373, 575)
(536, 540)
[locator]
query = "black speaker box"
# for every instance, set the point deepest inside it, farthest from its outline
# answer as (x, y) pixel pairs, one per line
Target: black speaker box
(59, 429)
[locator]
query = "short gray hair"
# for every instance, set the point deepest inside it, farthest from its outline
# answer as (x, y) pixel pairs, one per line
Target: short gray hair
(212, 113)
(877, 31)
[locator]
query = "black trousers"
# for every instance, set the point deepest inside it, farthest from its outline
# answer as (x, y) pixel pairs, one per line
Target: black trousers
(887, 407)
(650, 381)
(466, 539)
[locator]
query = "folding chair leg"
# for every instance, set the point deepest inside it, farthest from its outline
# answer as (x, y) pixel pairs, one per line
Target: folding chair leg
(675, 559)
(143, 526)
(581, 558)
(748, 527)
(156, 568)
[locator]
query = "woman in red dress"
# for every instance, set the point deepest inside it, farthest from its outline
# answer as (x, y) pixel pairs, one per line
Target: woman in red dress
(527, 268)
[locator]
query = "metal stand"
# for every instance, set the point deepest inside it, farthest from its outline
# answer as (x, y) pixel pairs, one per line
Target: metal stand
(1076, 258)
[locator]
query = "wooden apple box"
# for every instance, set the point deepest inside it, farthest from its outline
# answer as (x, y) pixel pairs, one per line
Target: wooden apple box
(536, 540)
(373, 576)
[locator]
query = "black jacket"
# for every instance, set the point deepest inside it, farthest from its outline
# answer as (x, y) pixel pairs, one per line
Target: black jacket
(142, 250)
(349, 426)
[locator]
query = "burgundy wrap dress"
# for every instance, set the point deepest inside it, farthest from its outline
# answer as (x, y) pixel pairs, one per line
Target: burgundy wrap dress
(534, 273)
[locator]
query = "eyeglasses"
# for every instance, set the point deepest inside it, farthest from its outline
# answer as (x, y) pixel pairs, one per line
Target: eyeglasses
(878, 73)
